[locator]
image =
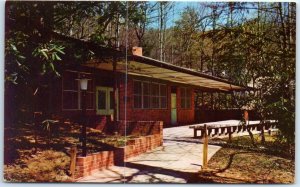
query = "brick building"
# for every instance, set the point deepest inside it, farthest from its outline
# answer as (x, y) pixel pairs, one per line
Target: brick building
(143, 89)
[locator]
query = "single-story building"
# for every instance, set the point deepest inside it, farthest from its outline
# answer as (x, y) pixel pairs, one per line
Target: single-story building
(143, 89)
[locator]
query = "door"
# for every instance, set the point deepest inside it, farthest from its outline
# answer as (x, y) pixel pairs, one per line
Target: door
(173, 109)
(104, 100)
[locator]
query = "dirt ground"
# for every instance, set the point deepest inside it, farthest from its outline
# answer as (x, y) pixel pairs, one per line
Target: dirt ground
(244, 165)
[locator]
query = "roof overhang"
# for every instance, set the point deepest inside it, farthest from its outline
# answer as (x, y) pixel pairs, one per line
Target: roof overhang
(148, 67)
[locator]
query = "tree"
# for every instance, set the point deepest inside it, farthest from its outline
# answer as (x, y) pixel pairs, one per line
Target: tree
(245, 42)
(35, 56)
(187, 35)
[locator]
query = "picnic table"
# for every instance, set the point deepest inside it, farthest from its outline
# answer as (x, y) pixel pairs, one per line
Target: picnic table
(216, 129)
(229, 127)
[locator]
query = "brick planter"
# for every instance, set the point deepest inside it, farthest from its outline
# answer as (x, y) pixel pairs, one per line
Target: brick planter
(86, 165)
(141, 145)
(141, 128)
(101, 160)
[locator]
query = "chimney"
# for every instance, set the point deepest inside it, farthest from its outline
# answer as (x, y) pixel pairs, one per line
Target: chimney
(137, 51)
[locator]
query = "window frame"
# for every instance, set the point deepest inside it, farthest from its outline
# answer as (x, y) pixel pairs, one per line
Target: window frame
(187, 98)
(139, 95)
(150, 96)
(161, 96)
(154, 96)
(78, 91)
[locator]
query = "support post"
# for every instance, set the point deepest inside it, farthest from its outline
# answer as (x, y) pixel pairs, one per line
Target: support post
(202, 99)
(263, 133)
(232, 100)
(195, 133)
(73, 154)
(205, 147)
(212, 100)
(229, 134)
(83, 131)
(219, 100)
(115, 89)
(270, 132)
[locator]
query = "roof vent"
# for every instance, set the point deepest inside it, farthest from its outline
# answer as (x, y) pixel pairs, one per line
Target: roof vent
(137, 51)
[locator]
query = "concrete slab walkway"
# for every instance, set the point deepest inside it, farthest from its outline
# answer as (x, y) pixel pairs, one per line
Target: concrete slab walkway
(177, 161)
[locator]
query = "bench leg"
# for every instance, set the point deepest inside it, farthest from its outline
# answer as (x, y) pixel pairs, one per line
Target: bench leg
(229, 135)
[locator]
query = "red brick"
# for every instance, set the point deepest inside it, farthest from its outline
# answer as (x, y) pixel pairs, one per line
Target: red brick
(104, 159)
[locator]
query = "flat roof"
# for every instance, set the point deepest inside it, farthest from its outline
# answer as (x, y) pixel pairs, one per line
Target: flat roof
(173, 73)
(149, 67)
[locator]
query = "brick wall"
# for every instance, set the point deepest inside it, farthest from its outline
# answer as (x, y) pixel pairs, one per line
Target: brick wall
(134, 114)
(104, 78)
(93, 162)
(140, 128)
(141, 145)
(184, 116)
(101, 160)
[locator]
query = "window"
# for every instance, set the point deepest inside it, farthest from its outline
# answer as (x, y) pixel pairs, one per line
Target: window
(154, 95)
(137, 94)
(146, 95)
(71, 96)
(185, 95)
(223, 100)
(207, 101)
(70, 90)
(215, 101)
(163, 96)
(220, 101)
(149, 95)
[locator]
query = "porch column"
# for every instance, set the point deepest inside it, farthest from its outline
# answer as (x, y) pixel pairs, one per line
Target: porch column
(212, 100)
(219, 100)
(231, 97)
(226, 99)
(115, 88)
(202, 99)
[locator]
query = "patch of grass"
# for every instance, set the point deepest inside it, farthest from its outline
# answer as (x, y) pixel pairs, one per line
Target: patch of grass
(272, 145)
(46, 166)
(236, 163)
(20, 140)
(44, 156)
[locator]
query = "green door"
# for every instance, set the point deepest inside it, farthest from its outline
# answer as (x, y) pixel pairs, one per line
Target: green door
(173, 109)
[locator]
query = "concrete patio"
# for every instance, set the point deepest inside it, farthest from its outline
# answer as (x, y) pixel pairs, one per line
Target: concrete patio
(177, 161)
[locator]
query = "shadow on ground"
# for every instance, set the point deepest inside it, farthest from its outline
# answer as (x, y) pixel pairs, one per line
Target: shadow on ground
(158, 174)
